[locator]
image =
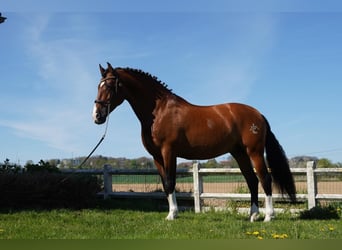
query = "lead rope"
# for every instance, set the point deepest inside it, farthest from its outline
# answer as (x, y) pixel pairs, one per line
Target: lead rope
(100, 141)
(97, 145)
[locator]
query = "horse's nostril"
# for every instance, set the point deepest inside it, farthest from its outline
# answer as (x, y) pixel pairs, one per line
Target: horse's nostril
(98, 116)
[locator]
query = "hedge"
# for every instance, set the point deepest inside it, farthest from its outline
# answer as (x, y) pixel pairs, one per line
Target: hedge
(47, 190)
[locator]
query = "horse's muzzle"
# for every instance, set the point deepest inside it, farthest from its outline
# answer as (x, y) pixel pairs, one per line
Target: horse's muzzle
(98, 117)
(100, 120)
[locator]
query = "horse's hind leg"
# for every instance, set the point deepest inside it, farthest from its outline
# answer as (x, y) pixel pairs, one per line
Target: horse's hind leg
(252, 182)
(265, 178)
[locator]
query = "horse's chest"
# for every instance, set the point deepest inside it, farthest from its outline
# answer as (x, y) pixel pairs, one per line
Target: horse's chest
(160, 132)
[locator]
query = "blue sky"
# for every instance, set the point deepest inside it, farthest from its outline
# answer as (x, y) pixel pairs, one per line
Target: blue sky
(283, 59)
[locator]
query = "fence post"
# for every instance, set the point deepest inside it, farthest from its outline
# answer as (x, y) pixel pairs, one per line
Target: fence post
(311, 183)
(198, 187)
(107, 181)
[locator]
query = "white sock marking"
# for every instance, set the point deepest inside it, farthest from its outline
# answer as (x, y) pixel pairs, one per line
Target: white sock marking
(269, 211)
(173, 208)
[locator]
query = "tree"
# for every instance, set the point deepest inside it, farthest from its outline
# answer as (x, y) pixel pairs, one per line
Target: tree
(212, 163)
(232, 162)
(8, 167)
(324, 163)
(42, 166)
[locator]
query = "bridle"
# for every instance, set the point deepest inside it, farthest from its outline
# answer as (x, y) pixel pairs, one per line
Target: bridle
(107, 103)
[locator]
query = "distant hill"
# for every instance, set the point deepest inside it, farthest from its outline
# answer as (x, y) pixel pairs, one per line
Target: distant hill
(300, 161)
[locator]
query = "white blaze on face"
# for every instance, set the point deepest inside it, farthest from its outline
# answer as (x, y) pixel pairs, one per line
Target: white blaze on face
(102, 83)
(94, 112)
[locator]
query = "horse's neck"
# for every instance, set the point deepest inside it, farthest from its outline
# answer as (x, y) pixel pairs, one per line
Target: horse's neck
(143, 98)
(143, 106)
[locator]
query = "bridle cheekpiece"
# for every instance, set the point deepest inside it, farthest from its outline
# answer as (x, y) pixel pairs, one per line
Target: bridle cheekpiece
(106, 103)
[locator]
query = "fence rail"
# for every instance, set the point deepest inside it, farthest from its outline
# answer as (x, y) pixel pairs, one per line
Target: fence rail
(310, 172)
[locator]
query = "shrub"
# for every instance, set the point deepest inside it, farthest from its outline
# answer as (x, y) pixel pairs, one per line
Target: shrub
(8, 167)
(47, 190)
(321, 213)
(42, 166)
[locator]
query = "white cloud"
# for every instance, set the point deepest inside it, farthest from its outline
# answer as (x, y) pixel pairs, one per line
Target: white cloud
(230, 74)
(61, 114)
(58, 110)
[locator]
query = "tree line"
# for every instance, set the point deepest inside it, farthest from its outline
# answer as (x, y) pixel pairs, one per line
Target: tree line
(97, 162)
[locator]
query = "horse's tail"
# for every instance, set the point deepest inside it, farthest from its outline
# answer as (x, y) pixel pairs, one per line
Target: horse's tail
(279, 165)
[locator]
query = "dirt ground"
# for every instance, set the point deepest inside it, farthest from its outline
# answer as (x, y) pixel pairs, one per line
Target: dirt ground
(331, 187)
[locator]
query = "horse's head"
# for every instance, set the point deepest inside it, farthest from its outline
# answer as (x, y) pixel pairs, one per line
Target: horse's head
(109, 94)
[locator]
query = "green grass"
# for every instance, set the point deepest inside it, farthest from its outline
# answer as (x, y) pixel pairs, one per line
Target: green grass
(132, 224)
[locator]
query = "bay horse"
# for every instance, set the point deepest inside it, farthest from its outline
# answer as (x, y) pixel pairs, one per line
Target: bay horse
(172, 127)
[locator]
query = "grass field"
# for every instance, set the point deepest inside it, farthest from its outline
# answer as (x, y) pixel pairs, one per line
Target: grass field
(118, 223)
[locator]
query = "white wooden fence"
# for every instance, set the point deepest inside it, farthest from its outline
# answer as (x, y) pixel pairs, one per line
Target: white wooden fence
(312, 196)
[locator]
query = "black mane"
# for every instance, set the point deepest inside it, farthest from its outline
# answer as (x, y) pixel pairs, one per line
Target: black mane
(161, 86)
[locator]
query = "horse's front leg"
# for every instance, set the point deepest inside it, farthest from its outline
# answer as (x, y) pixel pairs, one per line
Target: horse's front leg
(168, 175)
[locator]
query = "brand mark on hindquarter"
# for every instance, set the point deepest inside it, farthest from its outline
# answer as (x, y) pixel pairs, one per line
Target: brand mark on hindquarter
(254, 129)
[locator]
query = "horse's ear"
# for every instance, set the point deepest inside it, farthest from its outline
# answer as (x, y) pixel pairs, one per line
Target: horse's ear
(103, 71)
(110, 68)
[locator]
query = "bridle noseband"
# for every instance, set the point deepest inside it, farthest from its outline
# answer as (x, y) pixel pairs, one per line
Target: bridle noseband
(106, 103)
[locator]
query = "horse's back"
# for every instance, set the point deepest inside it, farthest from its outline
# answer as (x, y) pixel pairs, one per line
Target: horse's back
(240, 109)
(233, 115)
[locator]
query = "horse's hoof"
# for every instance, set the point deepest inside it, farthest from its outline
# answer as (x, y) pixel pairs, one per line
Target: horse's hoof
(268, 217)
(254, 217)
(171, 216)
